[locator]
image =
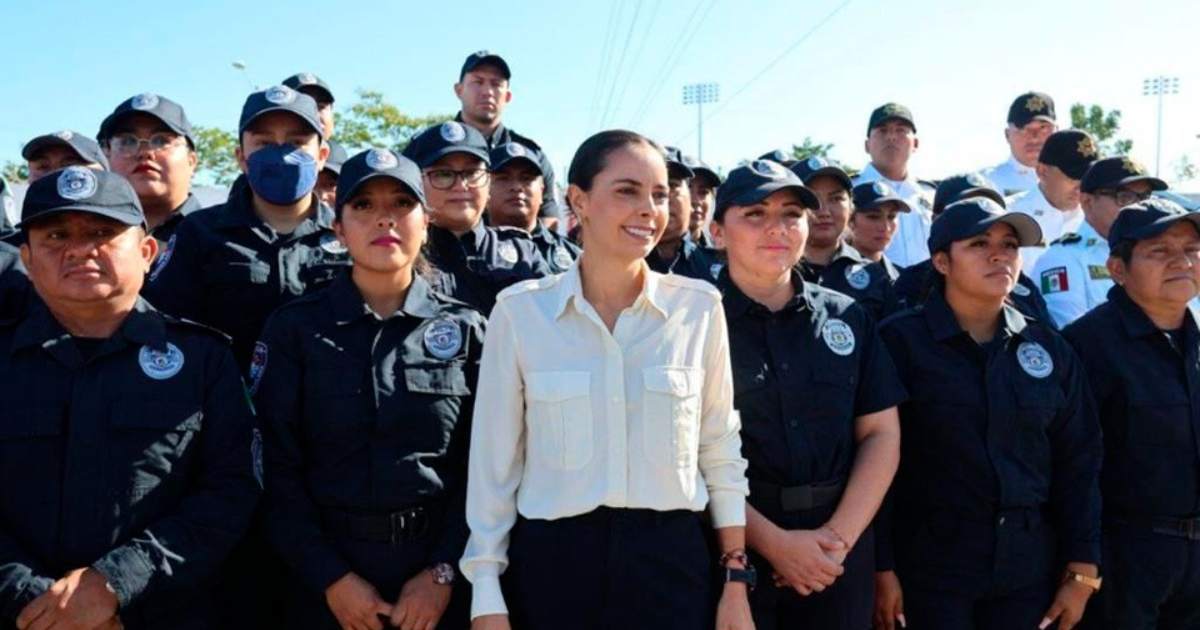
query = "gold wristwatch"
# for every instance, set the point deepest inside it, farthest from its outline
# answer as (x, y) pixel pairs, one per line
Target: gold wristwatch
(1088, 581)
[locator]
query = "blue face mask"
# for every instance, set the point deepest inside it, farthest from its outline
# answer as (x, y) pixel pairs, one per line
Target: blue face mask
(281, 173)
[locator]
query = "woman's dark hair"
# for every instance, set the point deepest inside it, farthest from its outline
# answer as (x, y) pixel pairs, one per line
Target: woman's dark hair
(592, 156)
(1123, 250)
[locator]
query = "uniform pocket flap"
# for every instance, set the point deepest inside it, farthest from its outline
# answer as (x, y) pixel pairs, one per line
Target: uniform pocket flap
(676, 381)
(450, 380)
(557, 386)
(167, 416)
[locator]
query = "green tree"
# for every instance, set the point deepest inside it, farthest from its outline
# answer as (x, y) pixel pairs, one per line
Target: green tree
(1186, 169)
(14, 172)
(1103, 126)
(374, 122)
(811, 148)
(217, 163)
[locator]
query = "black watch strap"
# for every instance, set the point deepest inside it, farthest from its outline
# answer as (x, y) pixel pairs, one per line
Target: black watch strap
(747, 576)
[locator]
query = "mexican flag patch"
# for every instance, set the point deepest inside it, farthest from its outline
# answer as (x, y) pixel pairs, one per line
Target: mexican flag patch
(1054, 280)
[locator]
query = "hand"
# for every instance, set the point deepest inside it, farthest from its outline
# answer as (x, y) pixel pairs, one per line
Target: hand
(802, 559)
(733, 612)
(356, 604)
(81, 600)
(1070, 600)
(422, 603)
(889, 601)
(491, 622)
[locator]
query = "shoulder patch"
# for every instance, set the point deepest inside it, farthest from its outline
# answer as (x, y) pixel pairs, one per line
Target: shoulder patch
(1054, 280)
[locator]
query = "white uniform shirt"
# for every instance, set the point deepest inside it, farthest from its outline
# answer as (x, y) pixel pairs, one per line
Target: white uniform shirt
(911, 243)
(1073, 274)
(570, 417)
(1054, 222)
(1011, 177)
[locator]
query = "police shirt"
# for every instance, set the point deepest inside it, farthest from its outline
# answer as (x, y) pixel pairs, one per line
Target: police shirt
(136, 460)
(1147, 388)
(366, 415)
(503, 135)
(1073, 274)
(869, 283)
(690, 260)
(913, 286)
(166, 229)
(227, 268)
(1054, 222)
(801, 377)
(999, 426)
(14, 284)
(1010, 177)
(476, 266)
(557, 250)
(911, 242)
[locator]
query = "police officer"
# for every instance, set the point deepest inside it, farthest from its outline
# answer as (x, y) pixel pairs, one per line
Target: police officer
(1054, 201)
(1141, 349)
(891, 143)
(702, 188)
(9, 214)
(915, 282)
(998, 482)
(1031, 120)
(518, 184)
(817, 394)
(231, 265)
(50, 152)
(312, 85)
(828, 259)
(1073, 273)
(327, 179)
(874, 222)
(127, 471)
(476, 261)
(675, 251)
(365, 391)
(149, 141)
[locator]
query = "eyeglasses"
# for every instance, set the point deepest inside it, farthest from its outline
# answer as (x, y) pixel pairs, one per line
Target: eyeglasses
(444, 179)
(1125, 197)
(129, 145)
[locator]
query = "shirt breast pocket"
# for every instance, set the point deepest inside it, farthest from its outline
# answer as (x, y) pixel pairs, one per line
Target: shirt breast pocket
(153, 439)
(829, 402)
(1161, 421)
(671, 415)
(559, 418)
(30, 433)
(435, 408)
(231, 274)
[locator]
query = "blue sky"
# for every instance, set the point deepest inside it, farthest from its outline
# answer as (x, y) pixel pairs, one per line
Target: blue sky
(958, 65)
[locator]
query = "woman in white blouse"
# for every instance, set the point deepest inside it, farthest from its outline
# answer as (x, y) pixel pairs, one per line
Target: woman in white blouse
(604, 426)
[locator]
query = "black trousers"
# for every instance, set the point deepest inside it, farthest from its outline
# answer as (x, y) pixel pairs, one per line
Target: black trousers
(1151, 581)
(611, 569)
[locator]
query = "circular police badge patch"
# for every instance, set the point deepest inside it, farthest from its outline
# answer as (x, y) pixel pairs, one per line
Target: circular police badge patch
(163, 258)
(280, 94)
(765, 167)
(306, 78)
(1034, 359)
(381, 159)
(514, 150)
(443, 339)
(453, 132)
(562, 257)
(507, 252)
(1021, 290)
(76, 182)
(144, 101)
(331, 244)
(880, 189)
(64, 135)
(838, 336)
(815, 163)
(161, 366)
(258, 365)
(858, 277)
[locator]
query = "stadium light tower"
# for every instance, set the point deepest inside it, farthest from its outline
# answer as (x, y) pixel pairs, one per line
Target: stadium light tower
(698, 94)
(1159, 86)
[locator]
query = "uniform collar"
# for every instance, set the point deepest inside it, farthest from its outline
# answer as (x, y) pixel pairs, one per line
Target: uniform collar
(472, 241)
(738, 304)
(143, 326)
(871, 174)
(1086, 231)
(1017, 166)
(1134, 319)
(846, 250)
(499, 135)
(944, 325)
(189, 205)
(685, 252)
(239, 211)
(348, 304)
(570, 288)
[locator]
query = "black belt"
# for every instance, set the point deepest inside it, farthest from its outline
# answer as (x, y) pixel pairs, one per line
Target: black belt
(799, 498)
(392, 528)
(1188, 528)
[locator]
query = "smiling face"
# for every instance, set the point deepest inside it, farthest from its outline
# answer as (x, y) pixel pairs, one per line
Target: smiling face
(156, 176)
(624, 213)
(77, 259)
(984, 266)
(766, 239)
(459, 207)
(874, 229)
(827, 223)
(382, 226)
(1163, 271)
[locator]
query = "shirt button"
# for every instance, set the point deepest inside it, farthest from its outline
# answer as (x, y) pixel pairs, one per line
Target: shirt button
(783, 367)
(793, 423)
(1002, 520)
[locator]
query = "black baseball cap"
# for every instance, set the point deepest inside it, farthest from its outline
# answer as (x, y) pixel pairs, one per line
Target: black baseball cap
(280, 98)
(87, 149)
(1115, 172)
(700, 169)
(168, 112)
(891, 111)
(1071, 150)
(337, 157)
(1147, 219)
(676, 166)
(872, 196)
(964, 186)
(81, 189)
(504, 154)
(484, 58)
(1029, 107)
(312, 85)
(374, 163)
(753, 182)
(778, 156)
(817, 166)
(969, 217)
(438, 141)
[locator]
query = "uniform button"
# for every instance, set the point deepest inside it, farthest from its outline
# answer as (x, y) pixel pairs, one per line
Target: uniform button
(1001, 520)
(783, 366)
(793, 423)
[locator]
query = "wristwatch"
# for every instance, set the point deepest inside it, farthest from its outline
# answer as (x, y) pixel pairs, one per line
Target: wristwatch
(443, 573)
(747, 576)
(1088, 581)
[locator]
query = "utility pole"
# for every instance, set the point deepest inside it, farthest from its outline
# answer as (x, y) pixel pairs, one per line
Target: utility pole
(698, 94)
(1159, 86)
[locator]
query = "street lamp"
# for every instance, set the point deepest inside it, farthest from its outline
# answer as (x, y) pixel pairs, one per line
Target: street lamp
(240, 66)
(698, 94)
(1159, 86)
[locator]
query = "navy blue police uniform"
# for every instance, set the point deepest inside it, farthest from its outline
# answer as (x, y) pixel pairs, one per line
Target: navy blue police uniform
(690, 260)
(556, 249)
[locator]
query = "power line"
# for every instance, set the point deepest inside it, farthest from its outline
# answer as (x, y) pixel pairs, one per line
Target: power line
(637, 10)
(604, 58)
(796, 44)
(662, 70)
(638, 55)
